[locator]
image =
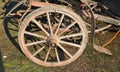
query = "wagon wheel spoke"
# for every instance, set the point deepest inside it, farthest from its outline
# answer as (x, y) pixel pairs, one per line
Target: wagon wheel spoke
(72, 35)
(57, 55)
(49, 22)
(34, 43)
(36, 35)
(46, 58)
(65, 50)
(60, 22)
(72, 24)
(38, 51)
(69, 43)
(40, 26)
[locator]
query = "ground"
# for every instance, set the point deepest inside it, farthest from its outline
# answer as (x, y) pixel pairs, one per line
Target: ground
(13, 60)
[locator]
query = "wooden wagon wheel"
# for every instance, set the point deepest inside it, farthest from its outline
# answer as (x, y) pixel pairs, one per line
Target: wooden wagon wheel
(53, 36)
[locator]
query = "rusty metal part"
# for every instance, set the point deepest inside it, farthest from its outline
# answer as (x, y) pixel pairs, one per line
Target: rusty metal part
(108, 42)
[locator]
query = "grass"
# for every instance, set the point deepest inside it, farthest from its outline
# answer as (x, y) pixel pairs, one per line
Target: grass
(12, 59)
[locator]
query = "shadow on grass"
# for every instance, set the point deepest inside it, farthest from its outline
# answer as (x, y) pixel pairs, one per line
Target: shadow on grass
(11, 29)
(11, 25)
(1, 63)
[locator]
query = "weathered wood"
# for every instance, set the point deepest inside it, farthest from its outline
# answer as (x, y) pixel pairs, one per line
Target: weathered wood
(107, 19)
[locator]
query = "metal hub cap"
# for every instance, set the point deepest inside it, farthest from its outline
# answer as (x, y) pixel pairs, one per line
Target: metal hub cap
(52, 41)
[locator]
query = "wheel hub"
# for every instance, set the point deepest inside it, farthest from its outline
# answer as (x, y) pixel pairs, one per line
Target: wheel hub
(52, 41)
